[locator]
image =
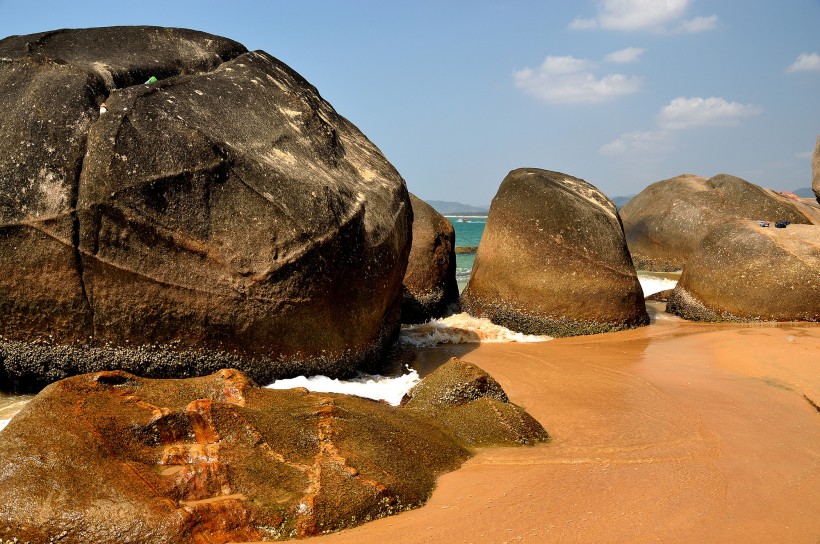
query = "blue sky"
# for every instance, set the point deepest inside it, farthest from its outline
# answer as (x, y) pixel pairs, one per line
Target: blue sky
(621, 93)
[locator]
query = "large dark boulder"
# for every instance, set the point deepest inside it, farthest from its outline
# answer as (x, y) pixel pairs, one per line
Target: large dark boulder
(815, 170)
(111, 458)
(553, 260)
(668, 219)
(430, 287)
(745, 272)
(225, 209)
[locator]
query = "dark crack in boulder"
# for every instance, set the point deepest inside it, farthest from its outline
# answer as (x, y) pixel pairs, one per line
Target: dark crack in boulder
(110, 457)
(553, 260)
(668, 219)
(224, 209)
(745, 272)
(430, 288)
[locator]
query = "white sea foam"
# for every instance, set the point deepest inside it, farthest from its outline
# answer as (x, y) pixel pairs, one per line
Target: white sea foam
(389, 389)
(655, 284)
(461, 329)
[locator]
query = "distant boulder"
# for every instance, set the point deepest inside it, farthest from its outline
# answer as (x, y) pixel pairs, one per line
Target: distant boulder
(218, 459)
(745, 272)
(430, 287)
(667, 220)
(815, 170)
(553, 260)
(225, 209)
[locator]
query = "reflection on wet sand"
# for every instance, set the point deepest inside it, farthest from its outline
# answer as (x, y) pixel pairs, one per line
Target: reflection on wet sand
(677, 432)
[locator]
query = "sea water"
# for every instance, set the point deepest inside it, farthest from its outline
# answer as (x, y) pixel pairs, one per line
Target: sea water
(468, 234)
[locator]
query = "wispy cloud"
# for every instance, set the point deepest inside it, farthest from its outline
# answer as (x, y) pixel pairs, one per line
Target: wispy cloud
(624, 56)
(680, 114)
(570, 80)
(658, 16)
(805, 62)
(683, 113)
(652, 143)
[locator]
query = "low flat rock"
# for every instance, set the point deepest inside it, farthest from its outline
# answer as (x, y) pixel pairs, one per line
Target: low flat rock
(744, 272)
(429, 284)
(110, 457)
(666, 221)
(553, 260)
(224, 209)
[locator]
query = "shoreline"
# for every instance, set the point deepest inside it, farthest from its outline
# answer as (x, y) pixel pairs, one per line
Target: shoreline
(676, 432)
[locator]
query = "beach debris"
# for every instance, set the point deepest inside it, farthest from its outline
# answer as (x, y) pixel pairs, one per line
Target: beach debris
(151, 79)
(782, 224)
(103, 108)
(763, 223)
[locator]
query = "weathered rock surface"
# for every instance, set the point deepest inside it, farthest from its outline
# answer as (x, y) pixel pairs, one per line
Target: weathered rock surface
(553, 260)
(744, 272)
(110, 457)
(430, 286)
(469, 404)
(667, 220)
(226, 208)
(815, 170)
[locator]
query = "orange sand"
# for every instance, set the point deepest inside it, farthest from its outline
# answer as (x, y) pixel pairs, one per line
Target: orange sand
(677, 432)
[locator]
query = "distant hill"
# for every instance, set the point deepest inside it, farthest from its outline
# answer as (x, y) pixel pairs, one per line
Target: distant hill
(457, 208)
(805, 192)
(620, 201)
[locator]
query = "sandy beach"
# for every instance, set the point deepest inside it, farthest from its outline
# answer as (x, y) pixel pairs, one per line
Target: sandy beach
(676, 432)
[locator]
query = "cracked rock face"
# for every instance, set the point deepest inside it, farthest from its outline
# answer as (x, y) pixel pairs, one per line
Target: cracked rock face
(225, 208)
(667, 220)
(553, 260)
(744, 272)
(110, 457)
(430, 287)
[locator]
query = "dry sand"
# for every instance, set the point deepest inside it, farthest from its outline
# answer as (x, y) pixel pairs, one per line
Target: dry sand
(676, 432)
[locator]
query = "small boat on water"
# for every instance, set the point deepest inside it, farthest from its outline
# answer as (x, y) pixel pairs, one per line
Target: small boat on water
(463, 220)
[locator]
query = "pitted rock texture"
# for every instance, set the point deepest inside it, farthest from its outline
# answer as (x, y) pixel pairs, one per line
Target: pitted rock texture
(744, 272)
(668, 219)
(224, 208)
(469, 404)
(111, 458)
(430, 287)
(553, 260)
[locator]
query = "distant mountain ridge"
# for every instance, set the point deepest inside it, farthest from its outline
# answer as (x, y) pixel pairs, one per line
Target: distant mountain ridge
(457, 208)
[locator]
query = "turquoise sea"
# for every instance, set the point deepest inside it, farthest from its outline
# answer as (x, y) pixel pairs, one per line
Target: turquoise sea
(468, 234)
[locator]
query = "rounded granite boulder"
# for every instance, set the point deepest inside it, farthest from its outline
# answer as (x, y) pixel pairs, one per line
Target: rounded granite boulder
(666, 221)
(430, 287)
(166, 188)
(745, 272)
(553, 260)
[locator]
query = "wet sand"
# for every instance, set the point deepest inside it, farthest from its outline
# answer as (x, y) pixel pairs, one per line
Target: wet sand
(676, 432)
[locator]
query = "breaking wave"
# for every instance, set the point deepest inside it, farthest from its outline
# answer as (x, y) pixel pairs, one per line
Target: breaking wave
(461, 329)
(372, 386)
(655, 284)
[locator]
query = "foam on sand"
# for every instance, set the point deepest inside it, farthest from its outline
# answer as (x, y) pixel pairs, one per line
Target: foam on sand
(461, 329)
(387, 388)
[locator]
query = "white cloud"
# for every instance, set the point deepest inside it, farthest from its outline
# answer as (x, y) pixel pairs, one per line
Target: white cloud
(623, 56)
(653, 15)
(647, 145)
(806, 62)
(682, 113)
(570, 80)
